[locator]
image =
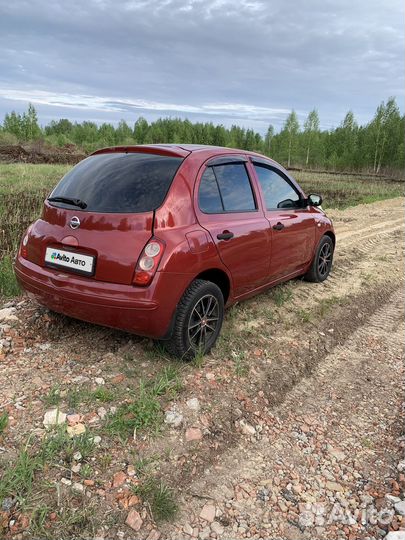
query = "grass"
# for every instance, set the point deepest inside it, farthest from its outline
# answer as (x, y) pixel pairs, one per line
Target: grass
(304, 315)
(326, 304)
(144, 412)
(281, 294)
(241, 365)
(23, 188)
(72, 522)
(75, 396)
(55, 449)
(159, 497)
(8, 284)
(57, 445)
(3, 422)
(18, 478)
(342, 191)
(53, 397)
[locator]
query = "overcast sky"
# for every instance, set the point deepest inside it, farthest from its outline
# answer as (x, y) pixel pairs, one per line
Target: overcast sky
(247, 62)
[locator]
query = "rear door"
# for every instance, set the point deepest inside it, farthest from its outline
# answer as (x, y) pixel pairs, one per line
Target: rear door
(119, 192)
(291, 221)
(228, 208)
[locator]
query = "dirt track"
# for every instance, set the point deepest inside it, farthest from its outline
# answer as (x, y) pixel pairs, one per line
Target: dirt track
(300, 404)
(336, 410)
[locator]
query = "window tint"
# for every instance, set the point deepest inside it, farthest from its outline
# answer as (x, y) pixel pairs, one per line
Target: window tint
(209, 198)
(278, 193)
(119, 182)
(235, 188)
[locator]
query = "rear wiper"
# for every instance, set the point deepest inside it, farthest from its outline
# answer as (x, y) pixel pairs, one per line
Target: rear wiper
(69, 200)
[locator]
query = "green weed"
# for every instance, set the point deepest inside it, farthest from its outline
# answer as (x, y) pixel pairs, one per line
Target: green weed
(159, 497)
(3, 421)
(102, 394)
(53, 397)
(145, 411)
(281, 294)
(8, 283)
(58, 445)
(326, 304)
(241, 366)
(18, 478)
(304, 315)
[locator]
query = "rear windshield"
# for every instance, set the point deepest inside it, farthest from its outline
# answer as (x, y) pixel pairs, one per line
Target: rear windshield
(119, 182)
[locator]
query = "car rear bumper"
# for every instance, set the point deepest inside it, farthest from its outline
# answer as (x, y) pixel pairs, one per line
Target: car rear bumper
(145, 311)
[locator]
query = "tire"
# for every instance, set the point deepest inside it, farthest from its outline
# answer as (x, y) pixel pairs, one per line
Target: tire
(198, 320)
(322, 262)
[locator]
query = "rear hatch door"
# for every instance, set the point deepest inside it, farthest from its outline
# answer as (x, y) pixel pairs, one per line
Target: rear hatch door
(100, 216)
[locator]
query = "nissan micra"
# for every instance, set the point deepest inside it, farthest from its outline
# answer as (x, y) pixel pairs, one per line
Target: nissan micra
(158, 239)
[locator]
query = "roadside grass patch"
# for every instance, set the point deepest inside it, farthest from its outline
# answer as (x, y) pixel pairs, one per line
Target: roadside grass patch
(3, 421)
(304, 315)
(143, 465)
(342, 191)
(159, 497)
(326, 304)
(18, 478)
(72, 521)
(58, 445)
(102, 394)
(199, 359)
(241, 366)
(105, 461)
(8, 282)
(144, 412)
(55, 450)
(86, 471)
(53, 397)
(38, 521)
(76, 396)
(281, 294)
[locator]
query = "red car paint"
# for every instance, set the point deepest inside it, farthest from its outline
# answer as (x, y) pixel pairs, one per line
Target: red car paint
(258, 256)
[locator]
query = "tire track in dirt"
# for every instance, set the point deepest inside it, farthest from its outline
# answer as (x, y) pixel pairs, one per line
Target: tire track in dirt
(364, 321)
(354, 395)
(360, 256)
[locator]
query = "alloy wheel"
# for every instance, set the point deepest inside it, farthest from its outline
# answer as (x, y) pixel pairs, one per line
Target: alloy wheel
(325, 259)
(203, 322)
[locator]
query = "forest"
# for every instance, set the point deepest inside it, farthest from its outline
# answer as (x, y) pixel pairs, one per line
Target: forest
(377, 147)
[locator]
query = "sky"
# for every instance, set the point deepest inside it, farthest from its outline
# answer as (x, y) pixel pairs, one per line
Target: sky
(245, 62)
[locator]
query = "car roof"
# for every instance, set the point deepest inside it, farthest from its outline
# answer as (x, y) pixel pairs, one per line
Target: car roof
(178, 150)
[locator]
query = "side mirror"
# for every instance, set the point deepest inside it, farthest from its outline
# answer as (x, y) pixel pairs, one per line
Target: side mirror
(287, 203)
(314, 200)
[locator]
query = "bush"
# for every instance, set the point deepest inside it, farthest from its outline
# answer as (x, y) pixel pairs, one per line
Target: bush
(7, 138)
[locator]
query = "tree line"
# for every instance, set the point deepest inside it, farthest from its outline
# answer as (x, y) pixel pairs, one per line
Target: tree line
(376, 147)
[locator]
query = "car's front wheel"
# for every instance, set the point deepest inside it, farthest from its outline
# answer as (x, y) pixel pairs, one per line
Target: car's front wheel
(198, 320)
(322, 262)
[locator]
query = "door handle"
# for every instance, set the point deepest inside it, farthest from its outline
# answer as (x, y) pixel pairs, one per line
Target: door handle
(226, 235)
(279, 226)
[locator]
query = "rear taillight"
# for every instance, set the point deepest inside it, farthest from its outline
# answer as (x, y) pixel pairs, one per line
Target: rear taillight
(24, 243)
(148, 262)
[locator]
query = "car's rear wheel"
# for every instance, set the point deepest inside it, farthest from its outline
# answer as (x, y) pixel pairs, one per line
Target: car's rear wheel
(322, 262)
(198, 320)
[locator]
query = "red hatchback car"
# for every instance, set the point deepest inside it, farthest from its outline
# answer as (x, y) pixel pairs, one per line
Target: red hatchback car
(157, 239)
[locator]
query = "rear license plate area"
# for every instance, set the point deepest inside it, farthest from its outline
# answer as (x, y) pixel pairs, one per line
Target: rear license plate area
(72, 261)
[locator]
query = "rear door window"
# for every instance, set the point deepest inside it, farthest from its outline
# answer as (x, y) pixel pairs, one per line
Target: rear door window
(226, 188)
(119, 182)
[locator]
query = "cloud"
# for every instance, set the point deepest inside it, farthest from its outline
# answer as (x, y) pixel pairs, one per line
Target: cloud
(247, 60)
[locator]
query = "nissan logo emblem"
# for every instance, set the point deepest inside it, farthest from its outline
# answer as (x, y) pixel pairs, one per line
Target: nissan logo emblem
(74, 222)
